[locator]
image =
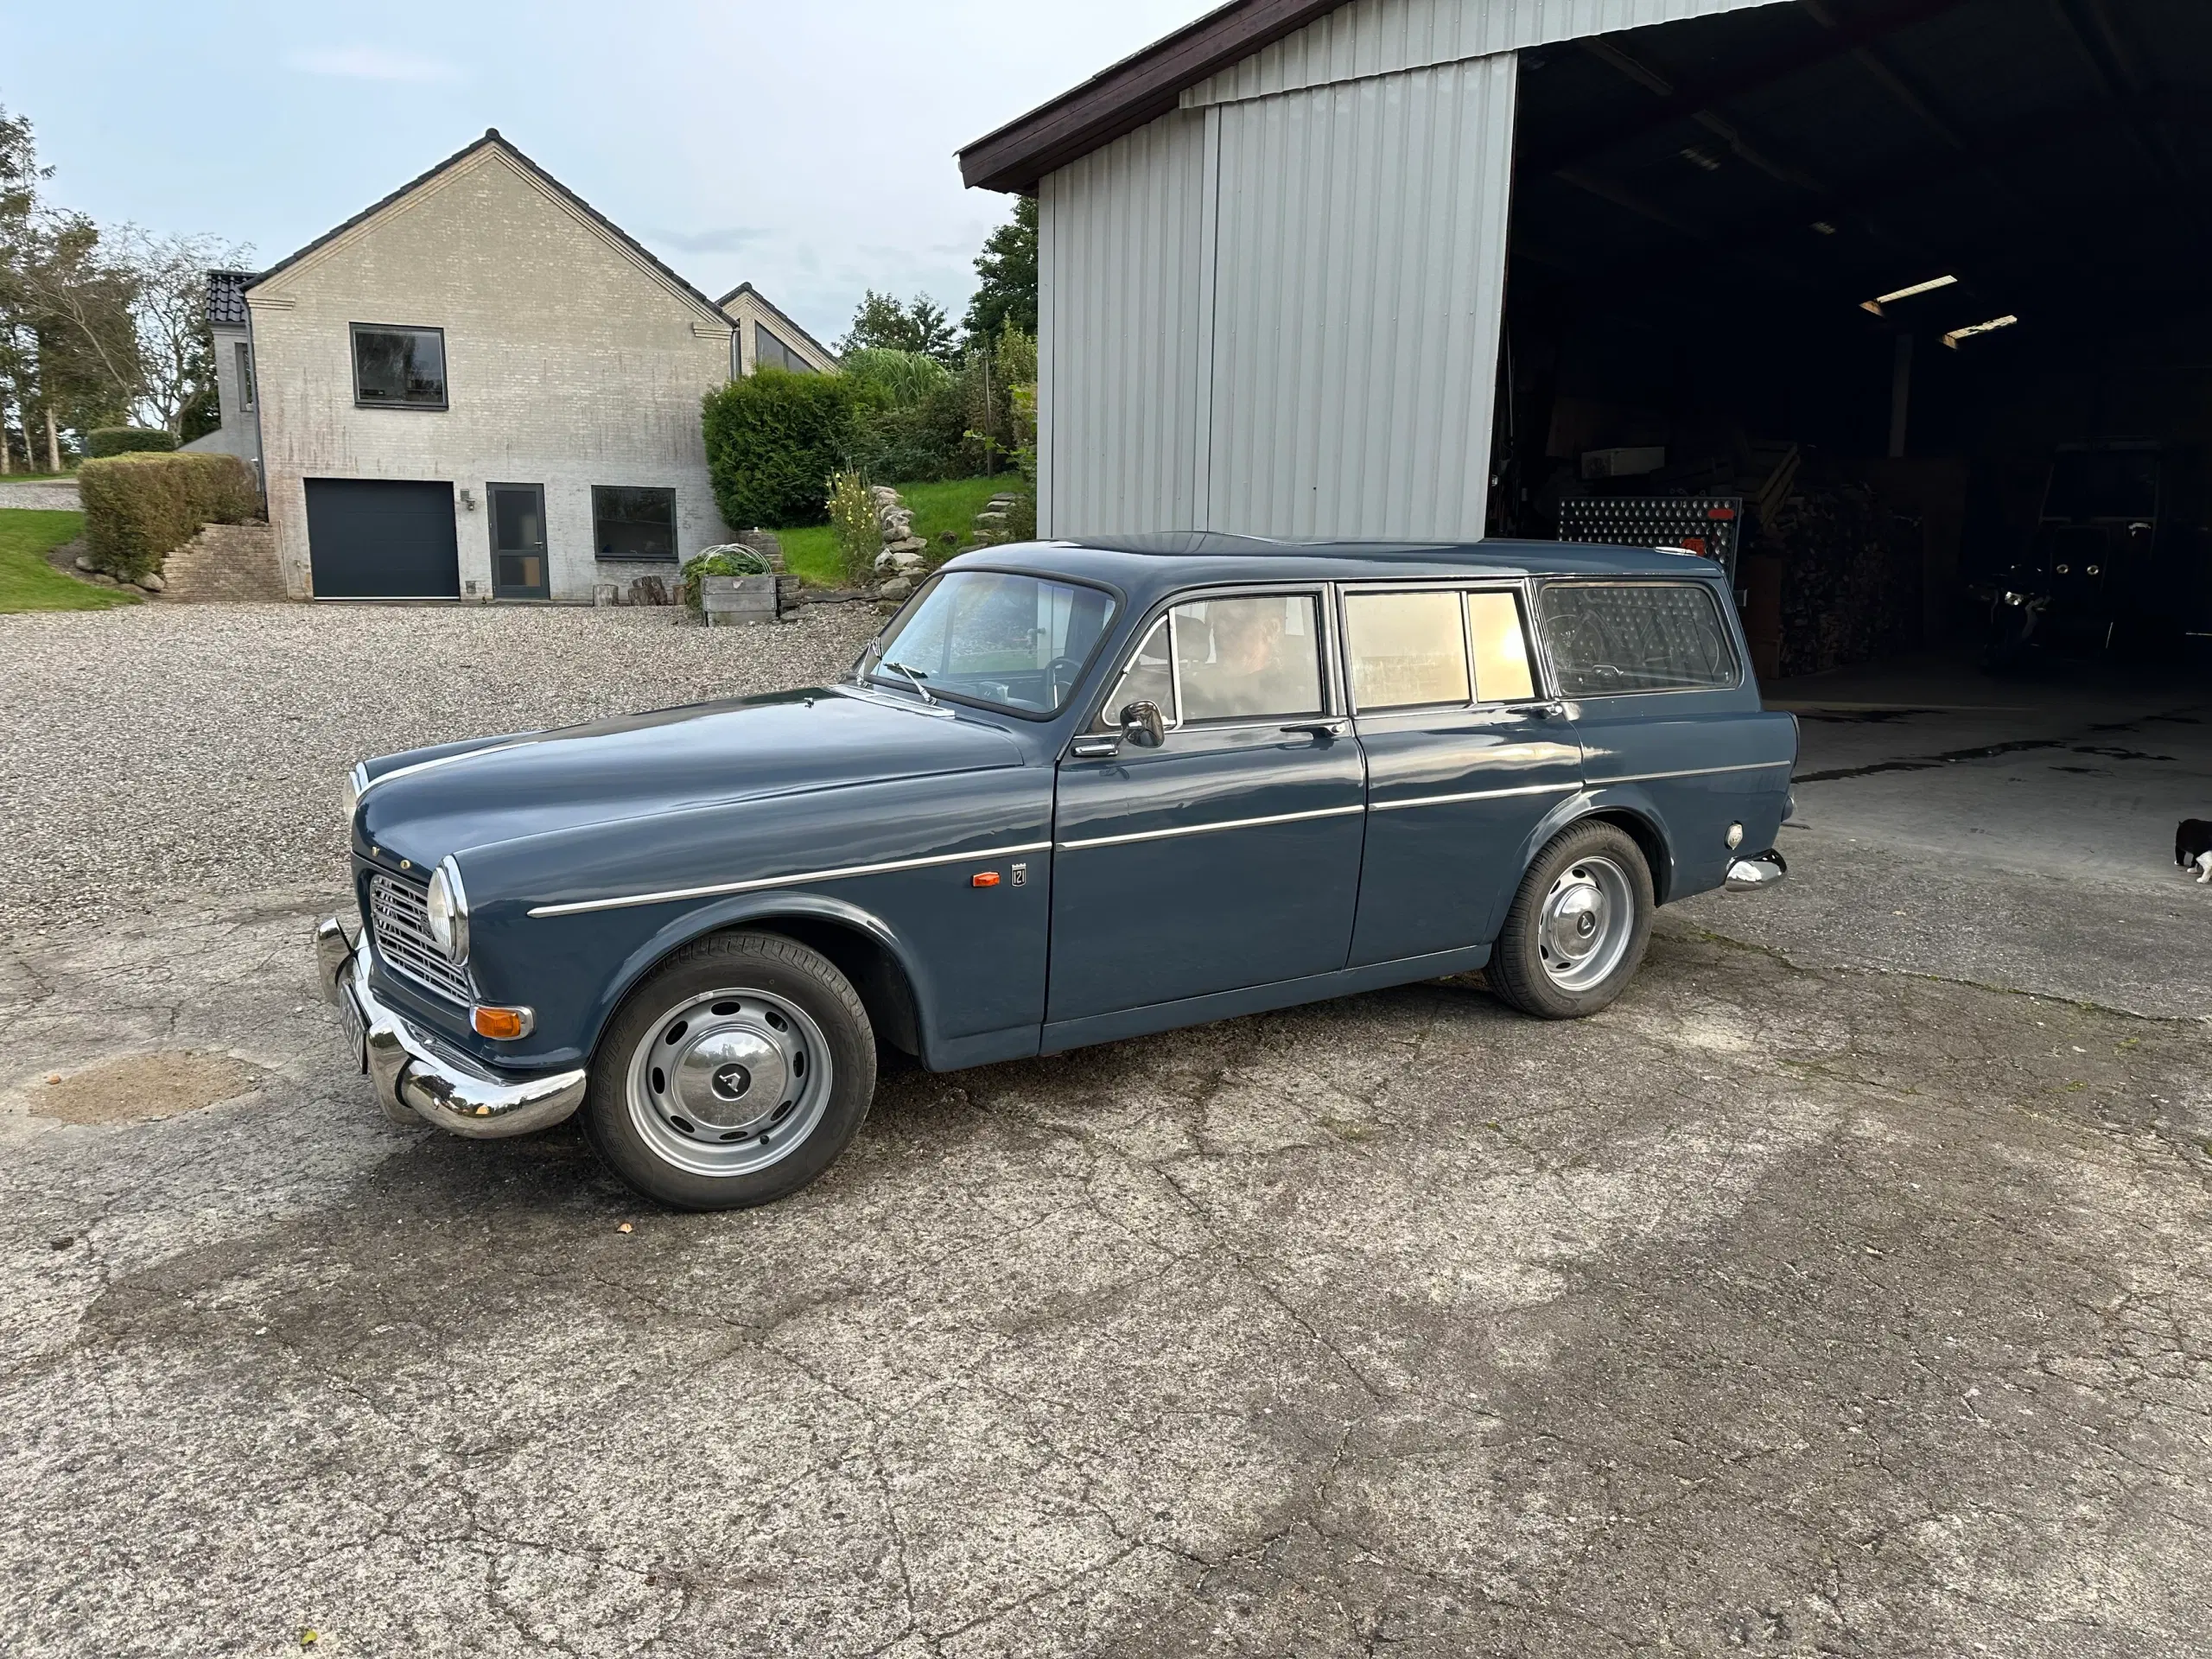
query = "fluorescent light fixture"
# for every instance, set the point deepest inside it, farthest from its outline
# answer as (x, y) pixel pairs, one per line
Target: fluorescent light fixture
(1952, 338)
(1821, 227)
(1929, 287)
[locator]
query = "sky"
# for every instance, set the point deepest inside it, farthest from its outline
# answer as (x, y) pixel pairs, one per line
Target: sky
(805, 146)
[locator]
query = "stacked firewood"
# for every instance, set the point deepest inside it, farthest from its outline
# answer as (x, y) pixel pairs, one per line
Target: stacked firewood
(1851, 576)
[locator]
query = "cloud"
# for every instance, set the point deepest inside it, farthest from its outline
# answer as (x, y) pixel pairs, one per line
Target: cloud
(727, 239)
(372, 63)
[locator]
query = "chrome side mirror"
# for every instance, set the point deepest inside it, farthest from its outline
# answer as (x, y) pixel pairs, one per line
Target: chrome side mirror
(1143, 726)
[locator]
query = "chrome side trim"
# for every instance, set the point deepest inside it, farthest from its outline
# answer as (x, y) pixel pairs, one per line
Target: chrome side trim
(1687, 772)
(801, 879)
(368, 784)
(1208, 829)
(1476, 795)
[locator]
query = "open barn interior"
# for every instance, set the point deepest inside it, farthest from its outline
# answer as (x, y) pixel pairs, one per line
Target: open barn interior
(1902, 305)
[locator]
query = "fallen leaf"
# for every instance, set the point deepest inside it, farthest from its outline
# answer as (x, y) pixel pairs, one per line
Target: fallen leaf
(623, 1228)
(54, 1077)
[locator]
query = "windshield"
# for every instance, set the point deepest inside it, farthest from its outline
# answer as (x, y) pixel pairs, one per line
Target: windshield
(986, 636)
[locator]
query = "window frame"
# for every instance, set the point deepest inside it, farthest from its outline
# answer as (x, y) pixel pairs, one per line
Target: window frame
(1713, 594)
(1541, 684)
(242, 366)
(1335, 704)
(675, 554)
(793, 363)
(354, 331)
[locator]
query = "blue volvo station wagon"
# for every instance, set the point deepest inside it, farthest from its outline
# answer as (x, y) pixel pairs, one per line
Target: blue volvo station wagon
(1072, 793)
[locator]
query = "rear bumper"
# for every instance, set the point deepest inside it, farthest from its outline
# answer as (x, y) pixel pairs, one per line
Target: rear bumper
(1757, 872)
(416, 1078)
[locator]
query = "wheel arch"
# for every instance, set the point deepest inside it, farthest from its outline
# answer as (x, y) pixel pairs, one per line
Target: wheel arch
(870, 954)
(1625, 811)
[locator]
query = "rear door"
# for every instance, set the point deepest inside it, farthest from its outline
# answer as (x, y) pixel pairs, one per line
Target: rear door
(1663, 706)
(1228, 856)
(1465, 757)
(382, 539)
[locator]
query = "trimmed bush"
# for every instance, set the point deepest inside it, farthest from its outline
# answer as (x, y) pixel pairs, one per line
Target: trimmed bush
(774, 439)
(128, 440)
(141, 508)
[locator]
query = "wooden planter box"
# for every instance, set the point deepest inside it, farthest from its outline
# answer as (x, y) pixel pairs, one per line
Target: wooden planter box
(740, 601)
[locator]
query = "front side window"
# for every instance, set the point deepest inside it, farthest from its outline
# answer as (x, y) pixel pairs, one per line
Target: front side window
(769, 351)
(994, 637)
(1610, 638)
(1248, 658)
(1150, 677)
(399, 368)
(628, 523)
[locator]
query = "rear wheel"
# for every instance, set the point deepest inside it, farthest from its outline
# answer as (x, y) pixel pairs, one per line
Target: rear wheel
(733, 1076)
(1579, 925)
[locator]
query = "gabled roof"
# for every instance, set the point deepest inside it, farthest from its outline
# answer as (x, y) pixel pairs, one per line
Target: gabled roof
(771, 308)
(491, 139)
(226, 297)
(1138, 89)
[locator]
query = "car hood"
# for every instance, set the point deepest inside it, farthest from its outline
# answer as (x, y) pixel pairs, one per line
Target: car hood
(463, 796)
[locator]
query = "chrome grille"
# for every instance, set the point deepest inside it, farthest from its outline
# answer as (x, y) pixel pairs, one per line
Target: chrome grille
(399, 917)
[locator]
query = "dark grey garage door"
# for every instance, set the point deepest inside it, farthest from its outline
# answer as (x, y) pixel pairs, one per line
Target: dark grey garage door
(373, 538)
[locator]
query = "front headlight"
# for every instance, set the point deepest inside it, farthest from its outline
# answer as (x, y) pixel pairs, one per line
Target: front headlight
(449, 908)
(356, 781)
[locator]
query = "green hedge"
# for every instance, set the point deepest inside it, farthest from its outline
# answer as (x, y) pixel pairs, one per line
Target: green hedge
(128, 440)
(140, 508)
(774, 440)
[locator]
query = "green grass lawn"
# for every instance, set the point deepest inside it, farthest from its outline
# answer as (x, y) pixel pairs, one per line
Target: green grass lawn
(28, 583)
(811, 550)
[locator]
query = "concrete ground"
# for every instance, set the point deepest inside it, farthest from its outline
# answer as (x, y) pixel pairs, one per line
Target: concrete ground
(1842, 1290)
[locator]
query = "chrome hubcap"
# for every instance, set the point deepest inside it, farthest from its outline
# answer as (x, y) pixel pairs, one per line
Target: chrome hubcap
(730, 1082)
(1587, 919)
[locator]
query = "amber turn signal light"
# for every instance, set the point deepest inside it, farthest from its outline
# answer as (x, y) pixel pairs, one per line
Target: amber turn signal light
(984, 879)
(506, 1024)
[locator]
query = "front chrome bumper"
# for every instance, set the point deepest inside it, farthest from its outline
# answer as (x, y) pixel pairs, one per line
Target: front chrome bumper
(1757, 872)
(416, 1078)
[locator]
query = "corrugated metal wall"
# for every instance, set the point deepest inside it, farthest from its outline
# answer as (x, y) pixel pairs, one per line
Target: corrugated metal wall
(1379, 37)
(1122, 258)
(1276, 310)
(1356, 304)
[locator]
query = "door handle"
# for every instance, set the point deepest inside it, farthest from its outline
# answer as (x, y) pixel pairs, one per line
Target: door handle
(1547, 711)
(1321, 730)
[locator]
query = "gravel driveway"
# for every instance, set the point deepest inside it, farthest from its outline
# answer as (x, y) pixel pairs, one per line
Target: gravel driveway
(1810, 1300)
(160, 750)
(59, 493)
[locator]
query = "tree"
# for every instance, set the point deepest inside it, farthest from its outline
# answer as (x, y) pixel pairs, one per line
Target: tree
(883, 323)
(20, 174)
(177, 351)
(1007, 267)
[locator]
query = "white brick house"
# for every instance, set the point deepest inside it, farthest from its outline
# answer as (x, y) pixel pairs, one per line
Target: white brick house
(478, 388)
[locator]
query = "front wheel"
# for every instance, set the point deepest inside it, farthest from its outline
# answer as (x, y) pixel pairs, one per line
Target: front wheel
(1579, 925)
(733, 1076)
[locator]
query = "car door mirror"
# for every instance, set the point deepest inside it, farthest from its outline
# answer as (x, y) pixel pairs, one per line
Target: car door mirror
(1143, 726)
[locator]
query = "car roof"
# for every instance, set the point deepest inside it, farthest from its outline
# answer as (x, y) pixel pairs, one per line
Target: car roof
(1144, 565)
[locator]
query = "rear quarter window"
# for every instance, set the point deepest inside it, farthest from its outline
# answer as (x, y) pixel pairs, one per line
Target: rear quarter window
(1607, 639)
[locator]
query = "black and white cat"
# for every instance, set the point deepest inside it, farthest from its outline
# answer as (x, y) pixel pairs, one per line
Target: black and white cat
(2193, 848)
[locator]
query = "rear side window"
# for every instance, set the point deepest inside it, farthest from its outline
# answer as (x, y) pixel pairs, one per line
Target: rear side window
(1406, 650)
(1610, 638)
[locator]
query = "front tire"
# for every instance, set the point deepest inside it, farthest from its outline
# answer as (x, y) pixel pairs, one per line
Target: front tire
(1579, 925)
(733, 1076)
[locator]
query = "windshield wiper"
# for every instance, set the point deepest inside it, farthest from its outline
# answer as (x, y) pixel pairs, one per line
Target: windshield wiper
(914, 675)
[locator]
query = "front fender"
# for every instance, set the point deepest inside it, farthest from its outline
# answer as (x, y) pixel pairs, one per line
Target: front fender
(676, 931)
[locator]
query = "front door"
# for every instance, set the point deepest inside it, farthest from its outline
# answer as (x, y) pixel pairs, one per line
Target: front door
(1464, 759)
(519, 541)
(1228, 856)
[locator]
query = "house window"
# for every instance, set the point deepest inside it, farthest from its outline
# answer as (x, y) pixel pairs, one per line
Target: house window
(244, 360)
(634, 523)
(399, 368)
(769, 351)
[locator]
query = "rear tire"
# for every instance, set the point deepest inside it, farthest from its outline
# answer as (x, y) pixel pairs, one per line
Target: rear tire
(733, 1075)
(1579, 925)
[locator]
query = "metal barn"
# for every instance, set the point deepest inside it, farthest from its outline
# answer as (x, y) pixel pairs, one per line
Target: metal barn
(1880, 280)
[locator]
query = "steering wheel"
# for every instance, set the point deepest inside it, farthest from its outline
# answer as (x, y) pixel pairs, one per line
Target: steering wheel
(1059, 677)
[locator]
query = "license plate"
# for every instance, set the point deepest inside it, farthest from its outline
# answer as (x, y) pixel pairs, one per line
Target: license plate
(357, 1029)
